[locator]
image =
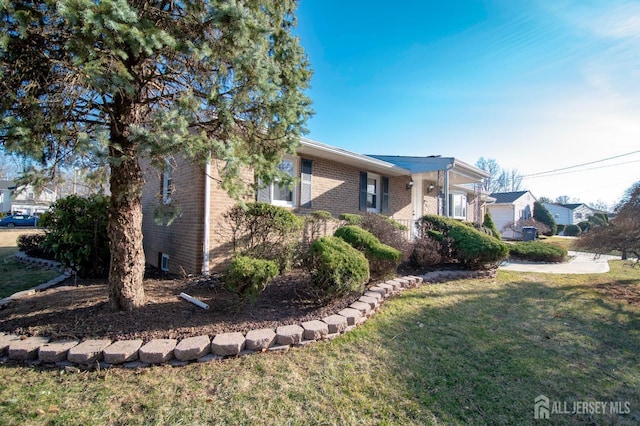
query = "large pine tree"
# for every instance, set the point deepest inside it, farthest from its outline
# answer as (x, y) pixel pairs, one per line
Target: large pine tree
(91, 82)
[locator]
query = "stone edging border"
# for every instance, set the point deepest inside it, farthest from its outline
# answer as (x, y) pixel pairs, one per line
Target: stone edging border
(49, 264)
(101, 354)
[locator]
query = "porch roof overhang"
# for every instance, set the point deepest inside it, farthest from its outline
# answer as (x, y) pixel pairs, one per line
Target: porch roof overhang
(339, 155)
(428, 168)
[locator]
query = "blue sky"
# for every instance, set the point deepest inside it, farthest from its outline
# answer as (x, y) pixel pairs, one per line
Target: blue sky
(536, 85)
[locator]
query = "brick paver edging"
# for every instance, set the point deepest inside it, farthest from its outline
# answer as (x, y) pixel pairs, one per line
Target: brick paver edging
(104, 353)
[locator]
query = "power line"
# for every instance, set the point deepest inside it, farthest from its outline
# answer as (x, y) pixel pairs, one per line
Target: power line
(581, 165)
(536, 175)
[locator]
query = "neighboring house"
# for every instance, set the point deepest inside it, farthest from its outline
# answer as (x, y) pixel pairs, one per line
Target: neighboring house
(24, 199)
(508, 209)
(5, 196)
(328, 178)
(569, 214)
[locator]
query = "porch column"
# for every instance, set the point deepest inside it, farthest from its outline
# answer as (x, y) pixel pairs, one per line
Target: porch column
(446, 193)
(417, 197)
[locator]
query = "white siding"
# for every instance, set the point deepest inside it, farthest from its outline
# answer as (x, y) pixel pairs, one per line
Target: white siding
(561, 214)
(503, 216)
(581, 214)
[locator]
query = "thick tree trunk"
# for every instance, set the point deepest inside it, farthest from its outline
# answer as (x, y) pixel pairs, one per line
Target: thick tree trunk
(126, 273)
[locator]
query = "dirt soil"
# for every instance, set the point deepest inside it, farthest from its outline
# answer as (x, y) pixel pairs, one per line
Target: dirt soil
(81, 309)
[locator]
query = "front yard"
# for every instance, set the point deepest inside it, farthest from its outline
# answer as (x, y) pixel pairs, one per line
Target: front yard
(16, 276)
(464, 352)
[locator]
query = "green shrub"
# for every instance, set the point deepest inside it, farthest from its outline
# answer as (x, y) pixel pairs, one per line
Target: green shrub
(248, 277)
(357, 237)
(584, 226)
(336, 268)
(265, 231)
(536, 251)
(489, 224)
(388, 231)
(597, 220)
(383, 259)
(77, 234)
(475, 249)
(463, 244)
(572, 230)
(31, 245)
(543, 215)
(560, 229)
(351, 219)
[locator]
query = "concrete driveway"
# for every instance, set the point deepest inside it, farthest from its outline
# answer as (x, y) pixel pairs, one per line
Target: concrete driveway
(579, 263)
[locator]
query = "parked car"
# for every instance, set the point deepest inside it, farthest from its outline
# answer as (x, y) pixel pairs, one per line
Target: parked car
(19, 220)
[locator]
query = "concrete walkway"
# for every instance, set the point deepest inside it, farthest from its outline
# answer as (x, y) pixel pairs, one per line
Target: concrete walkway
(580, 263)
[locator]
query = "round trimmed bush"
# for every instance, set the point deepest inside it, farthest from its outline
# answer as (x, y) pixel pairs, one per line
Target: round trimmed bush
(572, 230)
(336, 268)
(248, 277)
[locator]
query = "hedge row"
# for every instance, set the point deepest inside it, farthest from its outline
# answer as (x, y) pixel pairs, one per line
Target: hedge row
(536, 251)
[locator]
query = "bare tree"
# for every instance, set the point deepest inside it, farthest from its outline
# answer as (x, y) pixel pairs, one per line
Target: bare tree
(622, 232)
(499, 180)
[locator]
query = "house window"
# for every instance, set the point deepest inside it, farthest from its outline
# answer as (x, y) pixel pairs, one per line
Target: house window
(281, 195)
(373, 192)
(164, 262)
(167, 182)
(458, 206)
(578, 215)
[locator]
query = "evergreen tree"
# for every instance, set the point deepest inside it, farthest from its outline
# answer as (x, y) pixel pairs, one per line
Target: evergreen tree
(543, 215)
(90, 83)
(491, 226)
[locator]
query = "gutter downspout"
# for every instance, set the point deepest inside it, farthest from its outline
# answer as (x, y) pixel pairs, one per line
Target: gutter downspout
(207, 213)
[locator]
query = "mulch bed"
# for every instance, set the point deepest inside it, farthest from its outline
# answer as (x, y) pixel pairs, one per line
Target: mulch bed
(81, 310)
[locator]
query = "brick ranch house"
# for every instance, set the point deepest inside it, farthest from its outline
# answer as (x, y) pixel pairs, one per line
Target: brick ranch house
(328, 178)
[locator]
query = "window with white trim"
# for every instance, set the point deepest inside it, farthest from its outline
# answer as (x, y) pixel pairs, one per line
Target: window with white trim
(167, 181)
(458, 206)
(373, 192)
(282, 195)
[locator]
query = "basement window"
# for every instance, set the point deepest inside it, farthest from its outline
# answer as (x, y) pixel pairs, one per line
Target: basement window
(164, 262)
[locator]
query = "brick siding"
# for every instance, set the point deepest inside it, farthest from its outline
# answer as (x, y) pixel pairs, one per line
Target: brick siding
(335, 188)
(182, 240)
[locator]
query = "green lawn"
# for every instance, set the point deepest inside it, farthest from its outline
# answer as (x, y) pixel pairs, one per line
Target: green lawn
(465, 352)
(16, 276)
